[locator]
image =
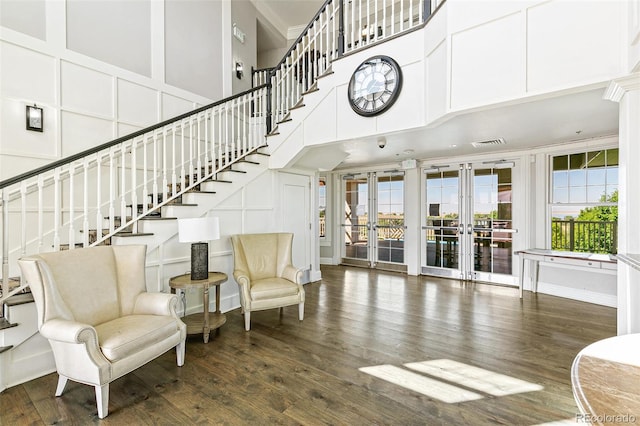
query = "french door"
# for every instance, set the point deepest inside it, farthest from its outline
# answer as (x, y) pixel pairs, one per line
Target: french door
(373, 220)
(469, 226)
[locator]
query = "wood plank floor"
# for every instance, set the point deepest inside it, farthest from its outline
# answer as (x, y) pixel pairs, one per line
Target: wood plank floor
(288, 372)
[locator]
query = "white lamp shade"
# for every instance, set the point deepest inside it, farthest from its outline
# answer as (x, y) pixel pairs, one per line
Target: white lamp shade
(198, 229)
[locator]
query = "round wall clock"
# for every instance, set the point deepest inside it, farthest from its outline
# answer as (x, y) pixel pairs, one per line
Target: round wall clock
(375, 85)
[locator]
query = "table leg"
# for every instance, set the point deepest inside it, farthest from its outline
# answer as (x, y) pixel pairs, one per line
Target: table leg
(205, 300)
(536, 269)
(217, 299)
(521, 274)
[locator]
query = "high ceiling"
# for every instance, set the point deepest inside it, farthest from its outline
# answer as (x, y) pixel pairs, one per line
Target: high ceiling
(284, 17)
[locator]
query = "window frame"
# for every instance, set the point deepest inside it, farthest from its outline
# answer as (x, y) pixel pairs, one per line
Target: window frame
(550, 204)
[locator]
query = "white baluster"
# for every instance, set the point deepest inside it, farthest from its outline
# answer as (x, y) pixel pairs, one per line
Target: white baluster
(23, 217)
(85, 202)
(98, 196)
(207, 120)
(393, 16)
(410, 13)
(123, 185)
(134, 177)
(57, 207)
(198, 147)
(72, 235)
(112, 188)
(183, 176)
(40, 212)
(165, 180)
(190, 152)
(4, 201)
(145, 180)
(174, 178)
(154, 186)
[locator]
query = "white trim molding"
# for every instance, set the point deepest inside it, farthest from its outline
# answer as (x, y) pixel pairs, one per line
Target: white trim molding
(618, 87)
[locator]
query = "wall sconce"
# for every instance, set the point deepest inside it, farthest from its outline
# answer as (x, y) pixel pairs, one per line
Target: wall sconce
(239, 70)
(35, 117)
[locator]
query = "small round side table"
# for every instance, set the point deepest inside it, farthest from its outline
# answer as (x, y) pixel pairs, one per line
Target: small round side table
(202, 323)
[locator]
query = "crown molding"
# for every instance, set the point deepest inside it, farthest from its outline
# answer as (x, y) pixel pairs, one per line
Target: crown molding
(271, 16)
(619, 86)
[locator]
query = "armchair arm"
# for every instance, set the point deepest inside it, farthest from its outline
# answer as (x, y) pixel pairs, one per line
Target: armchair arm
(243, 280)
(65, 331)
(292, 273)
(156, 304)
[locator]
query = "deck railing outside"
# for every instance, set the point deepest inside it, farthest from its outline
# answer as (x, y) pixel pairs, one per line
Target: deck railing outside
(584, 236)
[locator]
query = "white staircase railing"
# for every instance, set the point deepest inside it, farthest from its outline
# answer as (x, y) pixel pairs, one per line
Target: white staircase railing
(85, 199)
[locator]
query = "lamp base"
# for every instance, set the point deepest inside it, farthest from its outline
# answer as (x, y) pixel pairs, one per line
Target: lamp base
(199, 261)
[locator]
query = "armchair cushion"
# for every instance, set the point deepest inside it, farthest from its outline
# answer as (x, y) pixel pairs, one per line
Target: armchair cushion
(272, 288)
(124, 336)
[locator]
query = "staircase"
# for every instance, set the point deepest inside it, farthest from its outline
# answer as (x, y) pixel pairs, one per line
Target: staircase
(132, 190)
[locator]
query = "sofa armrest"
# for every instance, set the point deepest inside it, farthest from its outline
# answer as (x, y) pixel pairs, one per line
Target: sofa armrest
(293, 274)
(66, 331)
(163, 304)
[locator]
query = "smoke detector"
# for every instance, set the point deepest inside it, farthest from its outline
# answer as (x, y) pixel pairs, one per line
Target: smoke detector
(499, 141)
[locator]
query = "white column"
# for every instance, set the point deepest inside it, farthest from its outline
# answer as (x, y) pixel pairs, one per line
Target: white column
(413, 233)
(626, 91)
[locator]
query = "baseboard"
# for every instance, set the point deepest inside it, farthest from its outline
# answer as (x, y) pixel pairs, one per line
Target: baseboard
(315, 276)
(327, 261)
(596, 298)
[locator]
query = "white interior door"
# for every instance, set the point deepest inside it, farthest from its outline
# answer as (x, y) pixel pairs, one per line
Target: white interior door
(295, 216)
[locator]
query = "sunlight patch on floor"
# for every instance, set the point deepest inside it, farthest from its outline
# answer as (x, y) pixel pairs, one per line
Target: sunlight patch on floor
(559, 423)
(424, 385)
(474, 377)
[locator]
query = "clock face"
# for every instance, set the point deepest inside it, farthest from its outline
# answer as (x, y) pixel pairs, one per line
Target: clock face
(375, 85)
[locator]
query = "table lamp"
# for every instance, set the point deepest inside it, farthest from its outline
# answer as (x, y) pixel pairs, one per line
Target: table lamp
(198, 231)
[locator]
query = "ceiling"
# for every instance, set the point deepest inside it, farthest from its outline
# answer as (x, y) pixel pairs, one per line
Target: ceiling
(561, 119)
(281, 16)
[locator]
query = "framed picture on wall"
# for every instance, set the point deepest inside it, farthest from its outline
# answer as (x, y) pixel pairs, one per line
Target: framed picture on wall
(34, 118)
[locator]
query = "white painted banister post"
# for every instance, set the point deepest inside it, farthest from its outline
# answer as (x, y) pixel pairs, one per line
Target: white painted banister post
(85, 203)
(4, 204)
(40, 212)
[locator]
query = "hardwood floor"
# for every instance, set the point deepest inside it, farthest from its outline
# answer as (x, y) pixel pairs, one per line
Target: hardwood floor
(288, 372)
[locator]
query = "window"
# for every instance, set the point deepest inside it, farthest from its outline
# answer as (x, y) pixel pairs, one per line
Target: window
(584, 201)
(322, 207)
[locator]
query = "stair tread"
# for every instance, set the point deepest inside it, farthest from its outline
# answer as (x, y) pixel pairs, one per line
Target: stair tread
(219, 180)
(181, 205)
(19, 299)
(157, 218)
(202, 192)
(133, 234)
(234, 170)
(4, 324)
(5, 348)
(248, 161)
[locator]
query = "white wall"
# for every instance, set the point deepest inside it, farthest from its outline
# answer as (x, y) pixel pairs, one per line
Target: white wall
(99, 76)
(245, 16)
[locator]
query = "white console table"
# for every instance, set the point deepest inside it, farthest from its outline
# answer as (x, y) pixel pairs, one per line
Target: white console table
(588, 260)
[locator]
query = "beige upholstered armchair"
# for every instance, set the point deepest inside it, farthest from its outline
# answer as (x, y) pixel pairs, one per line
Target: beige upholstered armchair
(264, 273)
(94, 308)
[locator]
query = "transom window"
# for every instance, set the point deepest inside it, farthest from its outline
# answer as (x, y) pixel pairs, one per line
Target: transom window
(584, 201)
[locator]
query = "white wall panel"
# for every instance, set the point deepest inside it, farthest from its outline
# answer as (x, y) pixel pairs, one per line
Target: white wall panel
(137, 104)
(565, 50)
(126, 129)
(234, 201)
(77, 81)
(436, 83)
(117, 32)
(349, 124)
(81, 132)
(408, 110)
(487, 63)
(27, 17)
(19, 141)
(258, 194)
(27, 74)
(172, 106)
(323, 130)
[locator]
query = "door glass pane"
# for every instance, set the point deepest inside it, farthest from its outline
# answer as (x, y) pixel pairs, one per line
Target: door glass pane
(492, 212)
(442, 219)
(390, 220)
(356, 217)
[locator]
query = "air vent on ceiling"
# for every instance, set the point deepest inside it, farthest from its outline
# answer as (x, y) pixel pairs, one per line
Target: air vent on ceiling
(499, 141)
